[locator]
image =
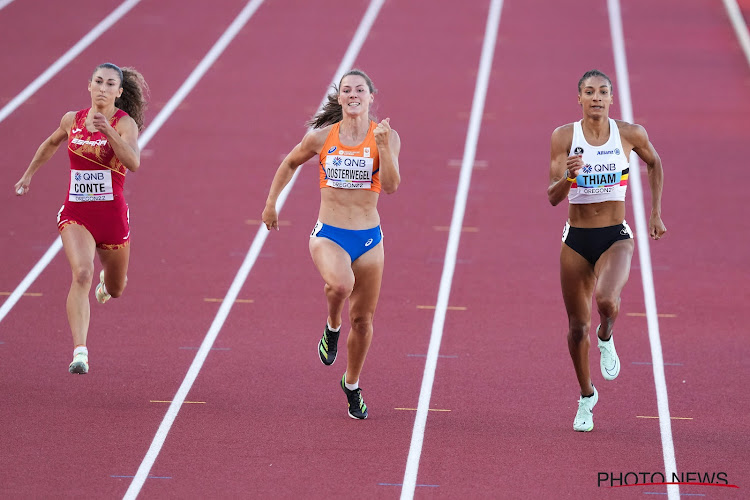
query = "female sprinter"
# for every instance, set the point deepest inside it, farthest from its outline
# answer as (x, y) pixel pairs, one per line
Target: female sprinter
(102, 146)
(358, 159)
(589, 166)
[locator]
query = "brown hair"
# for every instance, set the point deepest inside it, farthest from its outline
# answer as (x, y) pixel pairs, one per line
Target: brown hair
(332, 112)
(135, 92)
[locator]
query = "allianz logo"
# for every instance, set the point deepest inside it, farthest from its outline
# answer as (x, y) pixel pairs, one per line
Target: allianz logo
(615, 151)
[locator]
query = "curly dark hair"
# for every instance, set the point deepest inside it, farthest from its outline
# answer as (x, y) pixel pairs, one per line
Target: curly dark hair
(135, 92)
(332, 112)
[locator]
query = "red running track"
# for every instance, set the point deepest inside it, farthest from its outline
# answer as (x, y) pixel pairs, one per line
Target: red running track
(272, 422)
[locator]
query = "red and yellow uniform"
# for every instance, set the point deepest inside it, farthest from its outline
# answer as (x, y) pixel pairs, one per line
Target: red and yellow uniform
(347, 167)
(95, 193)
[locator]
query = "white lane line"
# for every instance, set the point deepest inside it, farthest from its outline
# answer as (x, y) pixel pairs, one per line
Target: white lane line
(644, 253)
(30, 278)
(454, 235)
(71, 54)
(740, 28)
(239, 280)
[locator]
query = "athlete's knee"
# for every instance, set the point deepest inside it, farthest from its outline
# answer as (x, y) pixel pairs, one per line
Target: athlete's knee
(340, 289)
(607, 305)
(83, 274)
(578, 330)
(361, 323)
(117, 288)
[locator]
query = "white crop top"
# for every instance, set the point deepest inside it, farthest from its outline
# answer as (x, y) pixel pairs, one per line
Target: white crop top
(604, 176)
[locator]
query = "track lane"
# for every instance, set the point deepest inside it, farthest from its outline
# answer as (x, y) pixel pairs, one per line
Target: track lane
(701, 264)
(108, 412)
(512, 388)
(270, 346)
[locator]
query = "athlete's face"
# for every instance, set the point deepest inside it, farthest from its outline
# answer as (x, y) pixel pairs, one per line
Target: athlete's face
(355, 96)
(595, 96)
(105, 87)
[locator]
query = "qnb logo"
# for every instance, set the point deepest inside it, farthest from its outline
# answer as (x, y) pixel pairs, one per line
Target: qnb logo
(337, 161)
(90, 176)
(350, 162)
(368, 242)
(587, 169)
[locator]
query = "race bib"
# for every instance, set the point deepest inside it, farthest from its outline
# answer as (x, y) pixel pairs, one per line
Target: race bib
(348, 172)
(91, 185)
(597, 182)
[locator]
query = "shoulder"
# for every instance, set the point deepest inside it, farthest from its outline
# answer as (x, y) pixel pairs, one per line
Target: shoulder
(315, 138)
(318, 134)
(68, 120)
(395, 136)
(125, 122)
(632, 132)
(563, 134)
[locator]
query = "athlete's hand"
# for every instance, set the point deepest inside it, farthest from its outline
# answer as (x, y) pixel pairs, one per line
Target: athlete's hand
(22, 186)
(574, 164)
(656, 228)
(101, 123)
(383, 132)
(270, 218)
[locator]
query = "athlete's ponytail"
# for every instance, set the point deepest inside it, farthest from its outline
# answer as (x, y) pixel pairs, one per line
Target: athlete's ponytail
(331, 112)
(134, 96)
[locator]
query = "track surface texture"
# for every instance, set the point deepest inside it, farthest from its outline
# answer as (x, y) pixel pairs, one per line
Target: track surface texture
(264, 418)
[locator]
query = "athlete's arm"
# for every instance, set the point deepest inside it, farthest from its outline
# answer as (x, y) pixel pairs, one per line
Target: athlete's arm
(45, 152)
(562, 166)
(638, 137)
(389, 145)
(310, 146)
(123, 139)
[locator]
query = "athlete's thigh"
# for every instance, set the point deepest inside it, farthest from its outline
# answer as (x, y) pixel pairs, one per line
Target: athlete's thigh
(577, 281)
(115, 264)
(613, 268)
(368, 276)
(332, 261)
(79, 246)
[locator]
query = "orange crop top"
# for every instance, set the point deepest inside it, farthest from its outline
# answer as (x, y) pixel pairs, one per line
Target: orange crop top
(347, 167)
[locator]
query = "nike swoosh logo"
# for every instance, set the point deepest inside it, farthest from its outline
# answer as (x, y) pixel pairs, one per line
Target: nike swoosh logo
(611, 371)
(76, 130)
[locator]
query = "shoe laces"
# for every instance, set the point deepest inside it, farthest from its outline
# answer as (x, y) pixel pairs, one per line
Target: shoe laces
(356, 397)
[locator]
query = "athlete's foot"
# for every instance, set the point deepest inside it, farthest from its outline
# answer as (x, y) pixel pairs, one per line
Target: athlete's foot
(584, 421)
(609, 361)
(328, 346)
(357, 406)
(80, 364)
(101, 291)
